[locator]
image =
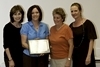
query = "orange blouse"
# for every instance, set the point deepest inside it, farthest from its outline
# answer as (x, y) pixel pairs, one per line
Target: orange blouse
(59, 41)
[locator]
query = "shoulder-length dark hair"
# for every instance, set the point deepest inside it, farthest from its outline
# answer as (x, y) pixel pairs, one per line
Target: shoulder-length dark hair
(29, 12)
(13, 10)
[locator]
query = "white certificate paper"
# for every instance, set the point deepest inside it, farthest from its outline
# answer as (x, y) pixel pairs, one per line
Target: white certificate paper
(39, 46)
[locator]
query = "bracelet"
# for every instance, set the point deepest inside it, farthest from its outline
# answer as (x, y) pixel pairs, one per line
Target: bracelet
(69, 58)
(10, 59)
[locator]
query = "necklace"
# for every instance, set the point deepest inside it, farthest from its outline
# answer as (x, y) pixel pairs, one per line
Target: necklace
(82, 37)
(16, 25)
(60, 27)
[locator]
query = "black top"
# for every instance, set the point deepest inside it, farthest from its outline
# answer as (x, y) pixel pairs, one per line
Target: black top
(12, 40)
(82, 35)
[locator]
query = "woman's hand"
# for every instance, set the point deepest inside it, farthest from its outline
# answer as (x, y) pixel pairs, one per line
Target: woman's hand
(88, 60)
(68, 63)
(37, 38)
(11, 63)
(41, 54)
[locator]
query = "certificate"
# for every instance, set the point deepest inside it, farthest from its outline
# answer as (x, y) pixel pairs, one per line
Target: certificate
(39, 46)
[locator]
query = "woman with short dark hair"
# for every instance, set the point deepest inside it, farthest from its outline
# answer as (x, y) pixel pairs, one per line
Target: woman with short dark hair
(32, 30)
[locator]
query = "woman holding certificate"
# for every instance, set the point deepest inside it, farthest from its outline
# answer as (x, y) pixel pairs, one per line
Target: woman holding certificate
(34, 29)
(61, 40)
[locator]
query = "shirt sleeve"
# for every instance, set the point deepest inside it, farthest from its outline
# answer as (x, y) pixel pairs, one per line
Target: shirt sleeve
(91, 32)
(47, 30)
(6, 36)
(24, 30)
(69, 33)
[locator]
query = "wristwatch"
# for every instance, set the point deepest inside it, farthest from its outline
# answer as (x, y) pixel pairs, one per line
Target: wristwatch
(68, 58)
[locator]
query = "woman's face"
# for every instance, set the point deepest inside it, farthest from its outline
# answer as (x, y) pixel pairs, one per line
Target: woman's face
(57, 19)
(35, 14)
(17, 16)
(75, 12)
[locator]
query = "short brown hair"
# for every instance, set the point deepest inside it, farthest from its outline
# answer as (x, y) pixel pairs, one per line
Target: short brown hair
(61, 12)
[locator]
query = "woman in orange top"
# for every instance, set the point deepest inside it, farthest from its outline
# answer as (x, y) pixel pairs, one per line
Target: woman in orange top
(61, 40)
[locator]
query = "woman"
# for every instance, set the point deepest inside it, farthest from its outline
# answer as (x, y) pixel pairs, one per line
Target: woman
(84, 36)
(32, 30)
(61, 40)
(12, 39)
